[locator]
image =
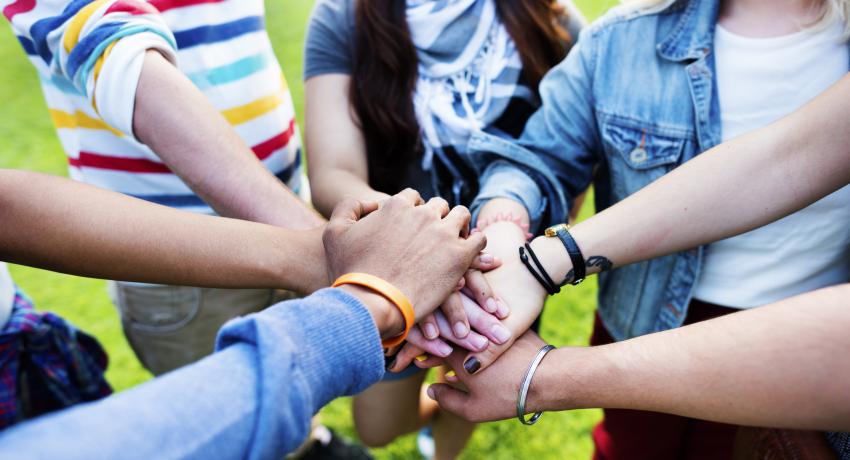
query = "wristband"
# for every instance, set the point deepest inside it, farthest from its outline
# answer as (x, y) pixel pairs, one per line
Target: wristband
(526, 385)
(391, 293)
(562, 231)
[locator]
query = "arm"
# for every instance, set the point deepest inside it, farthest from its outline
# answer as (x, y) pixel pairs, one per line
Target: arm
(755, 179)
(338, 166)
(777, 366)
(178, 123)
(254, 398)
(118, 54)
(108, 235)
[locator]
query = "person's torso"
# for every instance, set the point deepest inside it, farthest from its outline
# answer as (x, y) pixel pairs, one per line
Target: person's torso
(655, 106)
(7, 294)
(760, 81)
(224, 49)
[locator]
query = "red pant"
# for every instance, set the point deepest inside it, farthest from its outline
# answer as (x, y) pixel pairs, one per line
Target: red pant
(638, 435)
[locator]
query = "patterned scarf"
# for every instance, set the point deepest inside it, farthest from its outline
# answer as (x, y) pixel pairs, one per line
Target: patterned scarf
(469, 70)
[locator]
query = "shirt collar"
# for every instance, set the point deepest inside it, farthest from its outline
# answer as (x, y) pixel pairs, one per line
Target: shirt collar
(693, 35)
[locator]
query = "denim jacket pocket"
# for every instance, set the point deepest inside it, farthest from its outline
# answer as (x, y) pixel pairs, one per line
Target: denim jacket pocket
(639, 153)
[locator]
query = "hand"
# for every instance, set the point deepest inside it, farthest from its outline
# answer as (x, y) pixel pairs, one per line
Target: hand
(422, 249)
(494, 333)
(491, 394)
(526, 302)
(473, 285)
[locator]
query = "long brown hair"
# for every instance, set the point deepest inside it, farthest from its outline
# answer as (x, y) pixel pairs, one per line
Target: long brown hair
(385, 74)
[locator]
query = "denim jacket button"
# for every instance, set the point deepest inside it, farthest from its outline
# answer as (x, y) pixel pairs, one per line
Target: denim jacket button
(639, 155)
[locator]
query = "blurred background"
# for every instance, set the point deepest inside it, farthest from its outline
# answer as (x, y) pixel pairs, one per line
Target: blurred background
(28, 141)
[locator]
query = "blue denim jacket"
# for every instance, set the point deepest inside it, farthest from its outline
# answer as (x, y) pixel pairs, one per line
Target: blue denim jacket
(635, 98)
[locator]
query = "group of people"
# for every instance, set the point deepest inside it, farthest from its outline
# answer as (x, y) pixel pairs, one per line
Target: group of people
(416, 111)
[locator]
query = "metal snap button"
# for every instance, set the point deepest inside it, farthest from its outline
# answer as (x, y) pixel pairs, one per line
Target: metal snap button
(639, 155)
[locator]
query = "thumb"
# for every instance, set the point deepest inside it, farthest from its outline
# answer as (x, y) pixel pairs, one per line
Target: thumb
(449, 398)
(351, 210)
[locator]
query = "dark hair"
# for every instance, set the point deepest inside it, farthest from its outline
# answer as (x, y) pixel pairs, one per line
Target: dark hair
(385, 74)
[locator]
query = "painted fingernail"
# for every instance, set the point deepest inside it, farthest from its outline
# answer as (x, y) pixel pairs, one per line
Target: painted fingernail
(479, 342)
(487, 258)
(390, 363)
(451, 374)
(501, 333)
(421, 358)
(461, 330)
(431, 331)
(444, 350)
(491, 306)
(431, 394)
(472, 365)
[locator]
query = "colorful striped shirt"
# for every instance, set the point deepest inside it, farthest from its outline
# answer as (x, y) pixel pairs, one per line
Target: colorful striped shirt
(89, 55)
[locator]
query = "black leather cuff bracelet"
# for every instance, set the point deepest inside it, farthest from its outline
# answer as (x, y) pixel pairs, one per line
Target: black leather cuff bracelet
(563, 233)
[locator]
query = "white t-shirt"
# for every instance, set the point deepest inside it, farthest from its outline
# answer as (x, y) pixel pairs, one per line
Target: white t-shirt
(7, 294)
(760, 81)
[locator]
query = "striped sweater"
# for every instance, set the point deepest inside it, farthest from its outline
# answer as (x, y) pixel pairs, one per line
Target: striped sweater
(89, 55)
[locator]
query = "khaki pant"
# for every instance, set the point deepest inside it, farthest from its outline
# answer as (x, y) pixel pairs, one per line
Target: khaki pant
(171, 326)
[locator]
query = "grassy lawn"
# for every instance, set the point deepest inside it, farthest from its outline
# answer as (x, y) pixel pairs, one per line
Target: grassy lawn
(29, 142)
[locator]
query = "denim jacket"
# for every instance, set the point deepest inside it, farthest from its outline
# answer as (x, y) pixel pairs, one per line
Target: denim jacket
(635, 98)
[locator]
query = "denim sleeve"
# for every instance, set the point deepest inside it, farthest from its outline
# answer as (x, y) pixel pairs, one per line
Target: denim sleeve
(252, 399)
(558, 149)
(501, 179)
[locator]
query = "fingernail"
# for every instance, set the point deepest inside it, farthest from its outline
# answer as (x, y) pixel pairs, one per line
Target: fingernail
(490, 305)
(502, 311)
(487, 258)
(501, 333)
(451, 374)
(431, 331)
(461, 330)
(390, 363)
(444, 350)
(472, 365)
(480, 342)
(421, 358)
(431, 394)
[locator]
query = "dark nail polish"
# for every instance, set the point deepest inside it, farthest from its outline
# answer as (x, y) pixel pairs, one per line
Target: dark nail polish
(390, 362)
(472, 365)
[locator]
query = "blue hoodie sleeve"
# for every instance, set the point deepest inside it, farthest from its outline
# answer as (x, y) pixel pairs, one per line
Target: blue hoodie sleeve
(252, 399)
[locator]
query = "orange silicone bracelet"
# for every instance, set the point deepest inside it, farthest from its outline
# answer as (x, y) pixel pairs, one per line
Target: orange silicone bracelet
(392, 293)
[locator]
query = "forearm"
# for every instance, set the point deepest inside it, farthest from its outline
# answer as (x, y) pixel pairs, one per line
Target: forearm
(253, 399)
(781, 365)
(177, 122)
(733, 188)
(332, 185)
(74, 228)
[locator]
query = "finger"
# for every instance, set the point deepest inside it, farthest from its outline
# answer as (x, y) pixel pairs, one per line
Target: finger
(486, 262)
(460, 284)
(404, 357)
(429, 327)
(450, 399)
(473, 341)
(475, 243)
(429, 361)
(451, 376)
(437, 347)
(452, 308)
(439, 205)
(478, 286)
(350, 210)
(476, 362)
(458, 218)
(485, 323)
(410, 196)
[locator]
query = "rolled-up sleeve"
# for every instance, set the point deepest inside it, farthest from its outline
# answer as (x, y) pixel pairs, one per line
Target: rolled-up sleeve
(502, 179)
(98, 46)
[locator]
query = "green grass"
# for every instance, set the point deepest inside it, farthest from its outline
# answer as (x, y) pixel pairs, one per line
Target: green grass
(29, 142)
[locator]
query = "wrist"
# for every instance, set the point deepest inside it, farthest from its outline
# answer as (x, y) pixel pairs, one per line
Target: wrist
(553, 257)
(572, 378)
(388, 319)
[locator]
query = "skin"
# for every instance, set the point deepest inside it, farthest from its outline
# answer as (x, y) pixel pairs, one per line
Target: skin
(757, 18)
(109, 235)
(338, 171)
(177, 122)
(779, 362)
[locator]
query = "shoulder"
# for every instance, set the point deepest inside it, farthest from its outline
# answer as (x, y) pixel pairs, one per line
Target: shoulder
(628, 17)
(337, 12)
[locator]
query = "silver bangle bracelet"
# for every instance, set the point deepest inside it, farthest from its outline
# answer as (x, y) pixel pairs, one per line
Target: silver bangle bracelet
(526, 385)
